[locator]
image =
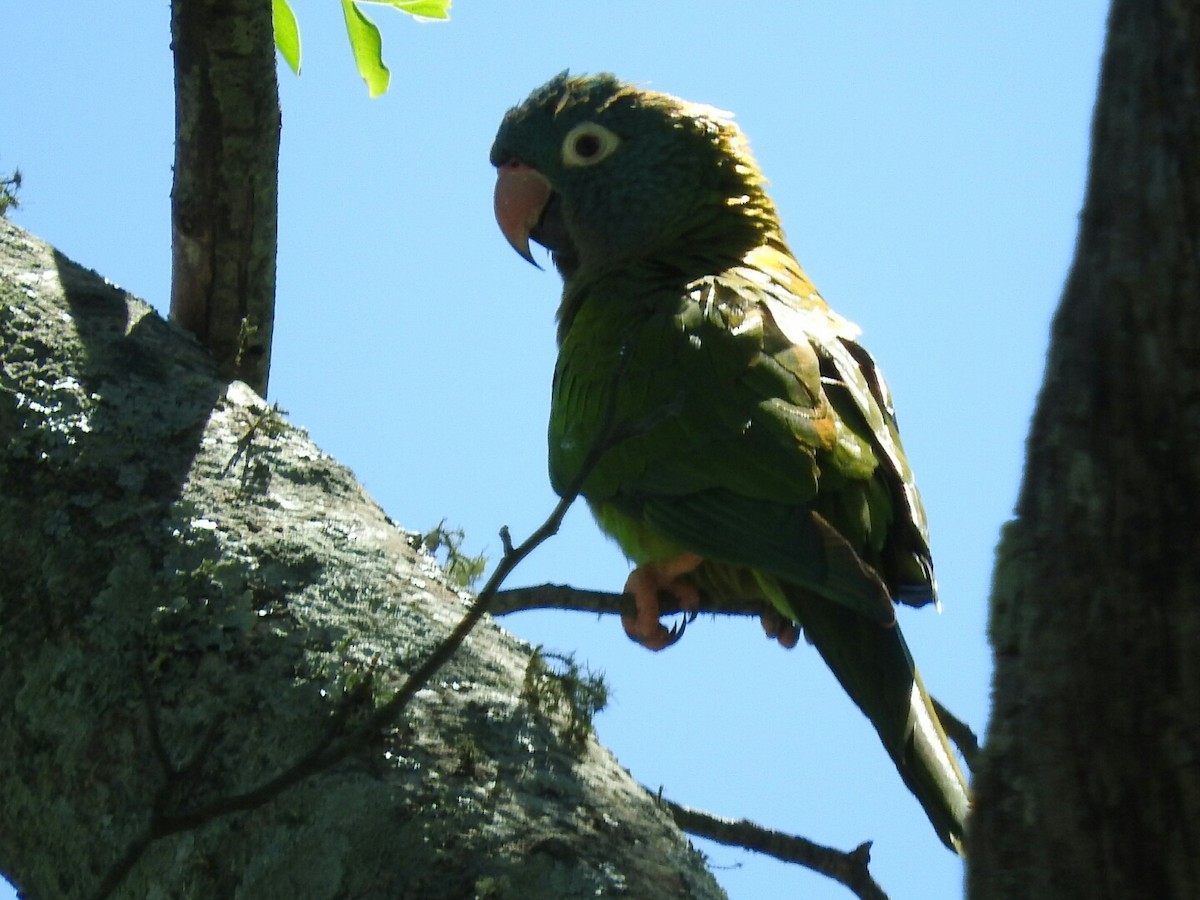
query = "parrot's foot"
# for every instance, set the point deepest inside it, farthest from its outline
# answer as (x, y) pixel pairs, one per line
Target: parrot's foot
(780, 629)
(644, 583)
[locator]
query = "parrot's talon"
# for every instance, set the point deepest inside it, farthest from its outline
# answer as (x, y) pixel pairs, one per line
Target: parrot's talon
(779, 628)
(660, 638)
(671, 637)
(644, 584)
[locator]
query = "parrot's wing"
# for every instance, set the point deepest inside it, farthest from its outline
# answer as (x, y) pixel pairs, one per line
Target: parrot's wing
(856, 388)
(734, 435)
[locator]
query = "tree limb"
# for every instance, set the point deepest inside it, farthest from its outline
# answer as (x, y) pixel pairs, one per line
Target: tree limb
(848, 868)
(177, 631)
(339, 740)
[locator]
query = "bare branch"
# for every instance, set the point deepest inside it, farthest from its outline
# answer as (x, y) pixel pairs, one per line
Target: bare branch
(563, 596)
(848, 868)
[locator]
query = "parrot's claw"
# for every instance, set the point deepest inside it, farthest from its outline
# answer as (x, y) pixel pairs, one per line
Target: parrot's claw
(663, 637)
(780, 629)
(644, 583)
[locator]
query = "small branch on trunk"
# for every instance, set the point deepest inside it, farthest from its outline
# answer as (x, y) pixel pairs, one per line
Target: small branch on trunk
(848, 868)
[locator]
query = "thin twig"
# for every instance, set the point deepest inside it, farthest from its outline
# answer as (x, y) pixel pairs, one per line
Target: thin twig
(959, 732)
(848, 868)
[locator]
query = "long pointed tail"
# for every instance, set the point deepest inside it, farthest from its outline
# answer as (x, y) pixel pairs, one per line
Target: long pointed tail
(929, 768)
(875, 667)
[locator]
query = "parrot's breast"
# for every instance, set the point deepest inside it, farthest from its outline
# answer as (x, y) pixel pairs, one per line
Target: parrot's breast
(637, 541)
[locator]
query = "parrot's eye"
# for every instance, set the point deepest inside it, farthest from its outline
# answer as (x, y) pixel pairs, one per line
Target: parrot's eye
(588, 143)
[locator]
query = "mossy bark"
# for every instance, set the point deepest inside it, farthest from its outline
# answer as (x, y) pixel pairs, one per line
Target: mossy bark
(193, 597)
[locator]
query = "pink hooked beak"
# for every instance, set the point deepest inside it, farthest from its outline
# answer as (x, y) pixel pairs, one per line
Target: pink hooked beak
(521, 194)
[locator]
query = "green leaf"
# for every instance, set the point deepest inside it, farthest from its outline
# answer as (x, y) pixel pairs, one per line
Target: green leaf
(368, 48)
(461, 569)
(287, 33)
(9, 185)
(419, 9)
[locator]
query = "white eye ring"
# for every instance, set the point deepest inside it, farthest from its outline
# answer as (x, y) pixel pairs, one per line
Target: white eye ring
(587, 144)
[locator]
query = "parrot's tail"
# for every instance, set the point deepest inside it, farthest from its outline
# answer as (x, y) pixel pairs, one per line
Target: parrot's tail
(929, 768)
(876, 669)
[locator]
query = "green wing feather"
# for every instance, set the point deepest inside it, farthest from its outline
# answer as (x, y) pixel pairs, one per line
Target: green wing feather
(707, 400)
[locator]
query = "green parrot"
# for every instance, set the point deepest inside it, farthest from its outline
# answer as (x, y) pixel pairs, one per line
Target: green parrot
(718, 417)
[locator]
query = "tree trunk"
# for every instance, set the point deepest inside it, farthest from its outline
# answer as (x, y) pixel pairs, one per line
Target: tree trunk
(1091, 780)
(224, 202)
(193, 598)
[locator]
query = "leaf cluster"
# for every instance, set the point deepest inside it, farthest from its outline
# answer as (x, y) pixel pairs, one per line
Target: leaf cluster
(9, 185)
(462, 569)
(365, 40)
(556, 687)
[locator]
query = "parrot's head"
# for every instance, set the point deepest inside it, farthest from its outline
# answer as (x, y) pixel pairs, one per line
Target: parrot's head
(605, 173)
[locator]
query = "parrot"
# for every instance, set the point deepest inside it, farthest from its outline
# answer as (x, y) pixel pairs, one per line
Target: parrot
(720, 420)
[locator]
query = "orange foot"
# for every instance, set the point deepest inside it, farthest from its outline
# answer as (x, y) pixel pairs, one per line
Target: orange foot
(644, 583)
(780, 629)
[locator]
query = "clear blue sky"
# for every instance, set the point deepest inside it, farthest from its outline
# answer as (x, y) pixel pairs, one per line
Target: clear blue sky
(928, 161)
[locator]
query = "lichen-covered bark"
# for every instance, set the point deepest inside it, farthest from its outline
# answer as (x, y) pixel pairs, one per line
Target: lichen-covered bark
(191, 593)
(224, 199)
(1091, 781)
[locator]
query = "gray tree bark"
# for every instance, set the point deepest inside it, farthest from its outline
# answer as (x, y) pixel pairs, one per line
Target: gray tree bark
(193, 597)
(1091, 779)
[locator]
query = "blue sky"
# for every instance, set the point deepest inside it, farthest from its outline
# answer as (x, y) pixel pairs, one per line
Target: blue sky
(928, 161)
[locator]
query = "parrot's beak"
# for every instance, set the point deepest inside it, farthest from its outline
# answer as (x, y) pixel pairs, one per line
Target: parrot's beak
(522, 193)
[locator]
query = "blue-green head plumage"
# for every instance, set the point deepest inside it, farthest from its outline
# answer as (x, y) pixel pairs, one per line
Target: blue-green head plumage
(636, 175)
